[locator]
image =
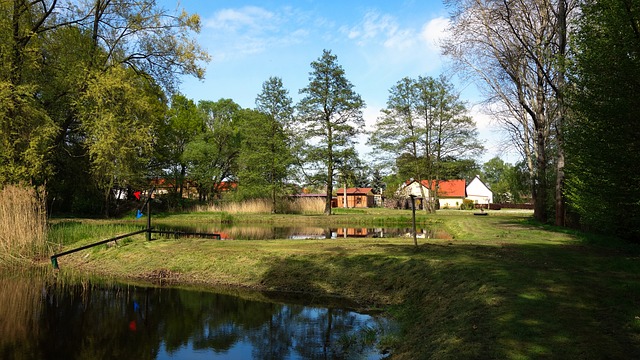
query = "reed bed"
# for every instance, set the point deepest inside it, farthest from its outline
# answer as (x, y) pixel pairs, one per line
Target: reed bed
(263, 206)
(307, 206)
(23, 224)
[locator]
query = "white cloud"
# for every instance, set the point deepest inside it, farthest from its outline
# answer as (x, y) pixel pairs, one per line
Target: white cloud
(250, 30)
(434, 31)
(376, 28)
(251, 17)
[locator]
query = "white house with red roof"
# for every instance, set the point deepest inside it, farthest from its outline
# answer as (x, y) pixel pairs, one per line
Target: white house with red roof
(450, 193)
(479, 192)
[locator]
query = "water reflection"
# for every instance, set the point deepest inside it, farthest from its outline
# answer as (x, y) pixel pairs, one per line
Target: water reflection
(39, 321)
(244, 232)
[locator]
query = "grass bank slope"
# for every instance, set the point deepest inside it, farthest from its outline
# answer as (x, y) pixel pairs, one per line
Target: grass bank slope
(502, 287)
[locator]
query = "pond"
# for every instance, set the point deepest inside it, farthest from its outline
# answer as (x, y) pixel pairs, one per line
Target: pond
(92, 321)
(252, 232)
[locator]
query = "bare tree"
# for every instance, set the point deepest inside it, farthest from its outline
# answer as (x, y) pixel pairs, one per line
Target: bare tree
(517, 49)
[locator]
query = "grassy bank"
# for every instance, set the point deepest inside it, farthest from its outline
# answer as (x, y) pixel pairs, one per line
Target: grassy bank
(501, 287)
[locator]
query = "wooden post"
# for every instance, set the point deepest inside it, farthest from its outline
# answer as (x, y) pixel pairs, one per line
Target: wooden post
(413, 211)
(149, 218)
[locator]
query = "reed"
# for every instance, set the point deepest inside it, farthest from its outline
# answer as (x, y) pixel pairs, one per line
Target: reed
(23, 224)
(263, 206)
(306, 206)
(253, 206)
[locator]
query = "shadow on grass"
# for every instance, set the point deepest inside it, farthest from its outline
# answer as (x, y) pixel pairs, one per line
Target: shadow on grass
(513, 301)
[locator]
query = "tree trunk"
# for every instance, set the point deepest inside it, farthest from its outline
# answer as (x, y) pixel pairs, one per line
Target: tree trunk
(327, 205)
(540, 180)
(559, 198)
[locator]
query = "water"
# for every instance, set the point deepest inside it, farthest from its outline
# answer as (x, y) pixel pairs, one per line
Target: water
(84, 321)
(249, 232)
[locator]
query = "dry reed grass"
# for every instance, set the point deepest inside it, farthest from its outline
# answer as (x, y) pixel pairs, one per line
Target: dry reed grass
(23, 224)
(307, 206)
(263, 206)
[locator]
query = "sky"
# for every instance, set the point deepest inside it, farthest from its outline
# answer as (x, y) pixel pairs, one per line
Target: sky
(377, 43)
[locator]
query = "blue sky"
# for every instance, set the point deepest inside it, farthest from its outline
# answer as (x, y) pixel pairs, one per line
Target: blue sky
(376, 42)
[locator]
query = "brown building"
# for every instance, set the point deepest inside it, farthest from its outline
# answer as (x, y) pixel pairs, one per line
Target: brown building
(356, 198)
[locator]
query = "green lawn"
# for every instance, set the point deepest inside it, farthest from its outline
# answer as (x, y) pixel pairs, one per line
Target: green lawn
(501, 287)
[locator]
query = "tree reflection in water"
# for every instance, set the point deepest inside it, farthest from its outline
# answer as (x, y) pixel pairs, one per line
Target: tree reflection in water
(41, 321)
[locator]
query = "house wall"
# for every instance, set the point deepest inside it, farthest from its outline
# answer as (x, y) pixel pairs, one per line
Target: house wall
(480, 199)
(478, 191)
(414, 189)
(450, 203)
(356, 201)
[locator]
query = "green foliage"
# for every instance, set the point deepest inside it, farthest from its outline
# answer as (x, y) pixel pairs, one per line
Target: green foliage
(119, 114)
(330, 116)
(212, 155)
(79, 90)
(509, 183)
(424, 131)
(184, 122)
(603, 147)
(467, 205)
(265, 159)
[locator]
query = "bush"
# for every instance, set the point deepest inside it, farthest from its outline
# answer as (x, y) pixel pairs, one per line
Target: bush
(467, 205)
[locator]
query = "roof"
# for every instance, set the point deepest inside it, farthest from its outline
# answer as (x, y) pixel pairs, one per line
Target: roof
(477, 186)
(449, 188)
(308, 195)
(226, 186)
(355, 191)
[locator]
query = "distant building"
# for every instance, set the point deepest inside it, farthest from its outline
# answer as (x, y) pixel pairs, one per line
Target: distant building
(356, 198)
(479, 192)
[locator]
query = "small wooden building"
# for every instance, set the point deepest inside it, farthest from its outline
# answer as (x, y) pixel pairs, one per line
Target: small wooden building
(356, 198)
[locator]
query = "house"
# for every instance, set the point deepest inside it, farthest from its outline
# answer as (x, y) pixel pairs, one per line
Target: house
(450, 193)
(165, 186)
(356, 197)
(479, 192)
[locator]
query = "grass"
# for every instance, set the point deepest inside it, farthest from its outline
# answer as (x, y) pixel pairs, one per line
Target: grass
(502, 287)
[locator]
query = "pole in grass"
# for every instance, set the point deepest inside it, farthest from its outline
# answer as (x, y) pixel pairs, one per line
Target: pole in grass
(147, 203)
(413, 212)
(149, 219)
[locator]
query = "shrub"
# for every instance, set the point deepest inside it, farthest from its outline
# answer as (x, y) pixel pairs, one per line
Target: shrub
(467, 205)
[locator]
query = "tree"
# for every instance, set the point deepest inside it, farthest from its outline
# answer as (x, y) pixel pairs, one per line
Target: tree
(518, 51)
(266, 157)
(183, 124)
(602, 139)
(496, 173)
(52, 53)
(377, 182)
(119, 121)
(330, 116)
(424, 130)
(212, 156)
(26, 130)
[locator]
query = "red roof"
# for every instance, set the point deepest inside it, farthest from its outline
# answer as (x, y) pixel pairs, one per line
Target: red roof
(449, 188)
(354, 191)
(226, 186)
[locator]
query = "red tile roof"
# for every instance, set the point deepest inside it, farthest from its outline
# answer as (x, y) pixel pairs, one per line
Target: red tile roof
(449, 188)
